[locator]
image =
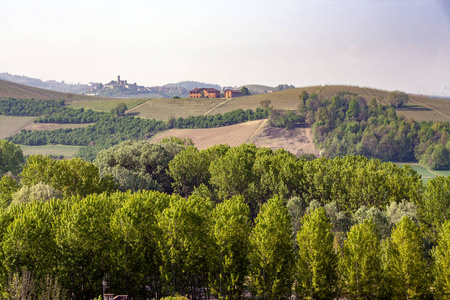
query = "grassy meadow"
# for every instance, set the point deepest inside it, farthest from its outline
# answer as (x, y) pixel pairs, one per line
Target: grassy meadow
(10, 125)
(105, 104)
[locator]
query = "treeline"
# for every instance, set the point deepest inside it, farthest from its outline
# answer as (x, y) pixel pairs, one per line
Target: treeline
(246, 220)
(69, 115)
(29, 107)
(347, 125)
(228, 118)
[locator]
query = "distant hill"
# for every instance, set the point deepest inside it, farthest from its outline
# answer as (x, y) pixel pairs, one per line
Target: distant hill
(257, 89)
(14, 90)
(49, 84)
(190, 85)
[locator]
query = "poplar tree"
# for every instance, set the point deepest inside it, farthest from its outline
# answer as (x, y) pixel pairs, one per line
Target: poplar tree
(360, 265)
(271, 256)
(317, 260)
(230, 234)
(441, 270)
(406, 268)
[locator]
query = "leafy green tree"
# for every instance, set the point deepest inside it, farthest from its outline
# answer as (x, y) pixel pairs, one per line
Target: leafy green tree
(230, 235)
(375, 215)
(271, 256)
(8, 186)
(138, 165)
(11, 158)
(317, 260)
(441, 267)
(72, 177)
(37, 192)
(434, 206)
(360, 266)
(184, 244)
(119, 110)
(398, 98)
(189, 169)
(136, 236)
(245, 91)
(405, 267)
(84, 239)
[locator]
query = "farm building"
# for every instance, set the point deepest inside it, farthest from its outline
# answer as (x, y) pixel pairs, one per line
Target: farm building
(204, 93)
(233, 93)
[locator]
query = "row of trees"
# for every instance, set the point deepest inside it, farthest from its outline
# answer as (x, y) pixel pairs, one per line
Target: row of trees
(152, 244)
(29, 107)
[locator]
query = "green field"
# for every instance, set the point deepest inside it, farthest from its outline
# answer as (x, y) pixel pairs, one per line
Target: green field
(56, 150)
(425, 173)
(10, 125)
(443, 173)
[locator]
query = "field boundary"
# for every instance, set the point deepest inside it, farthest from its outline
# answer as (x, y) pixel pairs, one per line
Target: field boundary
(138, 106)
(218, 105)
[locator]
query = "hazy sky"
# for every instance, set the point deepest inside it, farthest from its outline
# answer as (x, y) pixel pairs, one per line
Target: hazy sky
(391, 44)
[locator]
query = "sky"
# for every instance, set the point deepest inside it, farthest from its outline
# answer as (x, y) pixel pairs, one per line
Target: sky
(387, 44)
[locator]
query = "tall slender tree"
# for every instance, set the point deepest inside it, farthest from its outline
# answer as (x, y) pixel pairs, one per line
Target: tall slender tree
(271, 256)
(405, 266)
(360, 264)
(441, 270)
(317, 260)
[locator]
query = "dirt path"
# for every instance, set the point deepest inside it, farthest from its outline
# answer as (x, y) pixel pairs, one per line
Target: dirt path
(137, 106)
(218, 105)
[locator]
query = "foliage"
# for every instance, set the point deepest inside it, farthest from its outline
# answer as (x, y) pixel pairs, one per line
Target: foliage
(271, 256)
(71, 177)
(8, 186)
(183, 244)
(230, 236)
(317, 261)
(405, 267)
(137, 165)
(441, 267)
(11, 158)
(245, 91)
(360, 266)
(119, 110)
(398, 98)
(37, 192)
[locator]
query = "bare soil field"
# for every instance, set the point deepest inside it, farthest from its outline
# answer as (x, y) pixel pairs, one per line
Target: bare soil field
(296, 141)
(10, 125)
(53, 126)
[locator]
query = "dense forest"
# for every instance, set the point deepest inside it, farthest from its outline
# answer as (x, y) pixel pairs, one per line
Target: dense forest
(349, 125)
(153, 220)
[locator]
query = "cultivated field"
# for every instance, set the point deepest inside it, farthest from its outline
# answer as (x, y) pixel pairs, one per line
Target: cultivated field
(162, 109)
(11, 125)
(296, 141)
(56, 150)
(105, 104)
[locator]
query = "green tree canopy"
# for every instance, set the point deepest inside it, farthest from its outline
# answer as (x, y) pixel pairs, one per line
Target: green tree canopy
(11, 158)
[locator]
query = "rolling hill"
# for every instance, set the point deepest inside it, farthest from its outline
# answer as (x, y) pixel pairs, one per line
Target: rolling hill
(420, 108)
(14, 90)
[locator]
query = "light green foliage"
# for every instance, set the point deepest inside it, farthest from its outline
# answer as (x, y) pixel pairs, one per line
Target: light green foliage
(84, 239)
(229, 262)
(8, 186)
(184, 244)
(296, 207)
(138, 165)
(136, 235)
(11, 158)
(434, 208)
(360, 265)
(186, 142)
(395, 212)
(405, 267)
(37, 192)
(441, 256)
(29, 240)
(317, 261)
(271, 256)
(377, 216)
(72, 177)
(189, 169)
